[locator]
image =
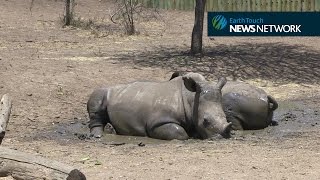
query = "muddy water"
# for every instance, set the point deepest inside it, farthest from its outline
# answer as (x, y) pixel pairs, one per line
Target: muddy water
(79, 131)
(295, 118)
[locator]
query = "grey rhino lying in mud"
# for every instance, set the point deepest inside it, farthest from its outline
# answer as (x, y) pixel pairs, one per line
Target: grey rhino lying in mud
(178, 109)
(246, 106)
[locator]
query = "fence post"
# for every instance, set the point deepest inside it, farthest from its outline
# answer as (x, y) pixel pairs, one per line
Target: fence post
(312, 5)
(317, 5)
(225, 5)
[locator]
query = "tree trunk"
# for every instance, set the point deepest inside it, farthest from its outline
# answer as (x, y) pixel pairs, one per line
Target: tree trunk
(22, 165)
(68, 13)
(5, 110)
(196, 39)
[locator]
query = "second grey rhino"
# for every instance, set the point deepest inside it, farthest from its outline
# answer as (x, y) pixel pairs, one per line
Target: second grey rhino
(246, 106)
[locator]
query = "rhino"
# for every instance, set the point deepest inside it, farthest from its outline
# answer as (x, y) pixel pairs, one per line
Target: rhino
(178, 109)
(246, 106)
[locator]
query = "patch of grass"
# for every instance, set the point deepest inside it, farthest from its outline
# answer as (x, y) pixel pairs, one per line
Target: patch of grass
(81, 23)
(97, 27)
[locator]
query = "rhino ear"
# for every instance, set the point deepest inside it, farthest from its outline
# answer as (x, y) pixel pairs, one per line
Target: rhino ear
(221, 82)
(190, 83)
(175, 74)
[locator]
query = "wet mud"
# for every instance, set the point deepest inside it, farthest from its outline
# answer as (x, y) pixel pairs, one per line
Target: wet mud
(294, 119)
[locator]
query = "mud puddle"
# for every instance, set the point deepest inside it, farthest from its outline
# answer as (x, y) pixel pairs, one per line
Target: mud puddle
(295, 119)
(77, 131)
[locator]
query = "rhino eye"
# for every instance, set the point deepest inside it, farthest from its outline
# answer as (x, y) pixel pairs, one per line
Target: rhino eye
(206, 123)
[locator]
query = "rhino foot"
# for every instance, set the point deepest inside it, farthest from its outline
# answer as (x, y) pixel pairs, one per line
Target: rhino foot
(96, 131)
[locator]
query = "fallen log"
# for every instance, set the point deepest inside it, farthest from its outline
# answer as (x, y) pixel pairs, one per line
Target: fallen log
(5, 110)
(20, 165)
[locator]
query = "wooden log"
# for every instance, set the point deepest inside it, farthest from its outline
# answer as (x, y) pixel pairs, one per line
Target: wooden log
(20, 165)
(5, 110)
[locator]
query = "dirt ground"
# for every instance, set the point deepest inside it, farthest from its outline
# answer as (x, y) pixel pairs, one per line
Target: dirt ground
(50, 71)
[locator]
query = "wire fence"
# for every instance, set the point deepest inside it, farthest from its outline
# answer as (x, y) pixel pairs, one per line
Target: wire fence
(239, 5)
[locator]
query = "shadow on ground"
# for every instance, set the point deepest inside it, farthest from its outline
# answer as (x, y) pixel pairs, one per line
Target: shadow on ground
(280, 63)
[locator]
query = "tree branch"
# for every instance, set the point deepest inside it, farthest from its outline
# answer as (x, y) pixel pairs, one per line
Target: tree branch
(5, 110)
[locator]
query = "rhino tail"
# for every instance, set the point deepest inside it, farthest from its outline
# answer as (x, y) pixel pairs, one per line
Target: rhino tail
(273, 105)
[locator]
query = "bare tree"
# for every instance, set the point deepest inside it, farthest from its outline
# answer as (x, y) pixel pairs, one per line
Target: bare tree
(129, 13)
(68, 13)
(197, 32)
(126, 14)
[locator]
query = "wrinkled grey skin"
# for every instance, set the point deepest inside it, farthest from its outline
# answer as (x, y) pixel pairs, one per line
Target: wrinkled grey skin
(246, 106)
(177, 109)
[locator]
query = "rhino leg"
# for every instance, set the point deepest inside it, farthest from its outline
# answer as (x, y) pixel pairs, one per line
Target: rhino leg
(97, 112)
(109, 129)
(169, 131)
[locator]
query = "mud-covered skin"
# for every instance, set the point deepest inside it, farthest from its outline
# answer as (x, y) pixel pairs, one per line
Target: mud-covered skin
(246, 106)
(177, 109)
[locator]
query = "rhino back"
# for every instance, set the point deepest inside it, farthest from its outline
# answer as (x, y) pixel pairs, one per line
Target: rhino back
(248, 103)
(134, 107)
(245, 89)
(253, 112)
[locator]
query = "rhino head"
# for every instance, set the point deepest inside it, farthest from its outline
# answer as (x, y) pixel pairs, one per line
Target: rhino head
(208, 115)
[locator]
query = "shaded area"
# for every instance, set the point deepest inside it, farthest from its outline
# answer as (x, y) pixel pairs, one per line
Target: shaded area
(280, 63)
